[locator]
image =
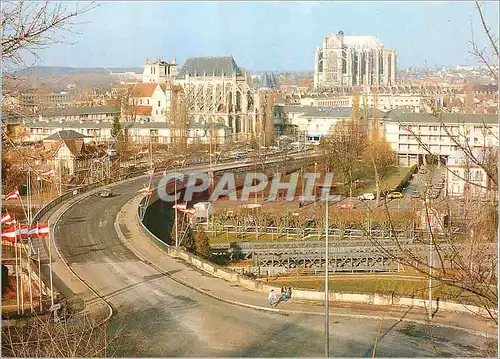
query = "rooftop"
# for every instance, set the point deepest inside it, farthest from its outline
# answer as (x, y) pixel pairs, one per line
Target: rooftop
(211, 66)
(75, 111)
(65, 135)
(400, 116)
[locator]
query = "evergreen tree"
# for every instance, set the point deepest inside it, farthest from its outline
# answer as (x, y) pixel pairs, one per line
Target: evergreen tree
(202, 243)
(117, 127)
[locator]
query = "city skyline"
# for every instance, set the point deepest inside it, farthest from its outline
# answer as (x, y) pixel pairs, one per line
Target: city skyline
(134, 31)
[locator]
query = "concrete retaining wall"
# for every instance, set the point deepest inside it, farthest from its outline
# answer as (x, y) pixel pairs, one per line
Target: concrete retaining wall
(263, 287)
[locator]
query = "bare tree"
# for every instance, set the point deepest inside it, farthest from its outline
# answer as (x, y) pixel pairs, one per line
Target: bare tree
(31, 26)
(457, 244)
(79, 336)
(489, 55)
(346, 145)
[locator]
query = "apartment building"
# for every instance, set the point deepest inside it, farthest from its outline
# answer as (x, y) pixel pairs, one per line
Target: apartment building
(466, 179)
(40, 100)
(413, 135)
(76, 114)
(381, 101)
(141, 131)
(314, 122)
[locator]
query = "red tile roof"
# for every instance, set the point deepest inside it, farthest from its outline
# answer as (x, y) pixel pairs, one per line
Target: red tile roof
(143, 110)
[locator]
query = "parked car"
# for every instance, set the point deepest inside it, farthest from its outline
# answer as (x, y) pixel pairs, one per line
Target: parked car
(366, 197)
(422, 170)
(415, 194)
(347, 205)
(394, 195)
(106, 193)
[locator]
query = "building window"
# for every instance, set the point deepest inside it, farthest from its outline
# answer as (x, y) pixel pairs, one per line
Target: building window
(159, 103)
(148, 102)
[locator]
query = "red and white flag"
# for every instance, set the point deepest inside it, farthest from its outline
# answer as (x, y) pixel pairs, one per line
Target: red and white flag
(33, 231)
(10, 234)
(23, 231)
(43, 229)
(13, 195)
(6, 218)
(180, 206)
(189, 211)
(146, 191)
(48, 173)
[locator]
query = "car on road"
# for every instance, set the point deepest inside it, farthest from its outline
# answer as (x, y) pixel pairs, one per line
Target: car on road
(366, 197)
(395, 195)
(347, 205)
(422, 170)
(106, 193)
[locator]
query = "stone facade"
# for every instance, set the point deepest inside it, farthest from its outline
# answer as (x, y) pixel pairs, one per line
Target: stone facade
(344, 61)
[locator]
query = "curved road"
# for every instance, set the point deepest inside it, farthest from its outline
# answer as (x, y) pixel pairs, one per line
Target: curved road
(159, 317)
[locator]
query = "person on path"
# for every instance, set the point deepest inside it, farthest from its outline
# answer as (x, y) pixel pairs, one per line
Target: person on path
(272, 298)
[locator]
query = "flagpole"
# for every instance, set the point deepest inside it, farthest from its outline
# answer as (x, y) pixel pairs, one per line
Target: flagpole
(22, 206)
(50, 268)
(21, 280)
(17, 268)
(30, 279)
(176, 226)
(40, 280)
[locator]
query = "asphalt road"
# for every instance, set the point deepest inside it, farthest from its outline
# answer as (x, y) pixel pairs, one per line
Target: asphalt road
(156, 316)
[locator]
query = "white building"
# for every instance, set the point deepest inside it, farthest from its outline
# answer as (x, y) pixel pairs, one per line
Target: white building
(315, 122)
(140, 131)
(148, 102)
(75, 114)
(344, 61)
(159, 71)
(381, 101)
(465, 178)
(410, 134)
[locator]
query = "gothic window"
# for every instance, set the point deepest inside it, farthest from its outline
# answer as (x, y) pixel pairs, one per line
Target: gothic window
(344, 60)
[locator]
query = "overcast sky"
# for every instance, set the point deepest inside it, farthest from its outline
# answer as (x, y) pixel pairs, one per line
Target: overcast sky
(268, 35)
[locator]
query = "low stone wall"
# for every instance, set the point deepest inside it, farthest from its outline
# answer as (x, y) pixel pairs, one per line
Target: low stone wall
(263, 287)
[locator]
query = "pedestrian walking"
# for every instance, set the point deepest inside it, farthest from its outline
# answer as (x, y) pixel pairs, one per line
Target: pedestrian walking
(289, 292)
(272, 298)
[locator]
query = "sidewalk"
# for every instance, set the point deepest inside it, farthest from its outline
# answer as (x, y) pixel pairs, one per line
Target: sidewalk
(130, 232)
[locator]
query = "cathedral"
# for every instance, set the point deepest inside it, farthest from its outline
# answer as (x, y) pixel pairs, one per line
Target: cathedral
(215, 88)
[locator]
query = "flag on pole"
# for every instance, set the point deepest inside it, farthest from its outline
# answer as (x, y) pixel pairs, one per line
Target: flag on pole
(180, 206)
(43, 229)
(146, 191)
(33, 231)
(13, 195)
(48, 173)
(6, 218)
(23, 231)
(10, 234)
(189, 211)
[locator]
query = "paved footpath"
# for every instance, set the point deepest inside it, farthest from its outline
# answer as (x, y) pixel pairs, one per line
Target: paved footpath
(130, 232)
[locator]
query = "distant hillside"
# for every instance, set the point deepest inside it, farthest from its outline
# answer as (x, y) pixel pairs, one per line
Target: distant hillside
(44, 71)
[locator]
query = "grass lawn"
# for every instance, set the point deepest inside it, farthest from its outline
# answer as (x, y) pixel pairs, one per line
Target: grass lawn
(403, 287)
(391, 181)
